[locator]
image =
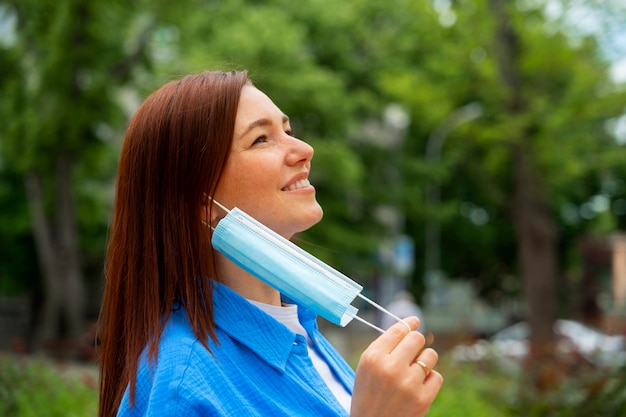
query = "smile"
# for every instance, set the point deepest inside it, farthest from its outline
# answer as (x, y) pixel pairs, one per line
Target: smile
(298, 184)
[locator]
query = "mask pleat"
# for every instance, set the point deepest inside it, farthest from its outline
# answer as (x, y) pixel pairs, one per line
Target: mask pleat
(286, 267)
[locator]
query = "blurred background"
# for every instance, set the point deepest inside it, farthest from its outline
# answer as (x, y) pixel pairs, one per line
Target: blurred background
(469, 153)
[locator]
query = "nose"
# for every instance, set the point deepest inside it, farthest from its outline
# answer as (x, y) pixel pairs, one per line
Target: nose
(298, 152)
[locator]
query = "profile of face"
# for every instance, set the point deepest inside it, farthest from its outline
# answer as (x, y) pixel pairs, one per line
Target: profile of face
(267, 170)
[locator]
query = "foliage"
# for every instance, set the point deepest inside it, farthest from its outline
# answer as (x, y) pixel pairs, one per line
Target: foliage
(35, 388)
(60, 71)
(570, 145)
(484, 389)
(32, 388)
(431, 69)
(596, 392)
(469, 390)
(17, 249)
(333, 66)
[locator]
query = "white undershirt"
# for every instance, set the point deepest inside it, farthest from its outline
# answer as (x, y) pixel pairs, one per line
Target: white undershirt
(288, 315)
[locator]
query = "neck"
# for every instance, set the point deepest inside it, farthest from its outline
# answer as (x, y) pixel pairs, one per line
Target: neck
(245, 284)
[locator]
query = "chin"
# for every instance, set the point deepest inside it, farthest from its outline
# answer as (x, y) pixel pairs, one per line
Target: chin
(315, 218)
(307, 220)
(316, 214)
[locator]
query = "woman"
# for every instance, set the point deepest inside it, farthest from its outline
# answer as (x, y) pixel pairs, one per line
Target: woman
(185, 331)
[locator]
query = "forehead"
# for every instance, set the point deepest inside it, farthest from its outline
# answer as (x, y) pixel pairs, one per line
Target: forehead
(254, 105)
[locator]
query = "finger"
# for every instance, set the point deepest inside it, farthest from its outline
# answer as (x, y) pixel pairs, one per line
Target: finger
(388, 341)
(426, 362)
(409, 347)
(434, 382)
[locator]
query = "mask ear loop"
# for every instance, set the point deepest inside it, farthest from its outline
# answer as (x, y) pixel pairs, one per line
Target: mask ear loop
(381, 308)
(218, 204)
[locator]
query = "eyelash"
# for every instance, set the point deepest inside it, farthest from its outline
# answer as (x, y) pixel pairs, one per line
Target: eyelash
(264, 137)
(259, 140)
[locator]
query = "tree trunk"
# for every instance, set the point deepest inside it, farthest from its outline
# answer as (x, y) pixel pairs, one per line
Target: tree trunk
(58, 253)
(533, 222)
(536, 239)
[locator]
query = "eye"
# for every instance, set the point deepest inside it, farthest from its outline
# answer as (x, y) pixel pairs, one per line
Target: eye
(290, 132)
(260, 139)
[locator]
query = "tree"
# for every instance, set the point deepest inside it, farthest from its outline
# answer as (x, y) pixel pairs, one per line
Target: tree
(61, 71)
(321, 62)
(533, 222)
(334, 67)
(557, 141)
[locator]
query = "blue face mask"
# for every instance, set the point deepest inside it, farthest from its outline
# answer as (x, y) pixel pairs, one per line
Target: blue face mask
(288, 268)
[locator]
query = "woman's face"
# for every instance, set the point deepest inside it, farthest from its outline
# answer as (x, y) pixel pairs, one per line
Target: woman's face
(267, 170)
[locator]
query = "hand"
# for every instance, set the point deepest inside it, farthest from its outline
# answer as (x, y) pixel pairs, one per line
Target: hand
(388, 380)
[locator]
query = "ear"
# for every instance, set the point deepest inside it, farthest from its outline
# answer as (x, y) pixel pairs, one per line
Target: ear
(205, 209)
(208, 210)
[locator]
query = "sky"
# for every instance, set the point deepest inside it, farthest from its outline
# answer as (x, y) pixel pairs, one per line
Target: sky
(604, 19)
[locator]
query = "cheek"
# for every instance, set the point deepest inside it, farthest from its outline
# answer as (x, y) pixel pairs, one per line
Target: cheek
(258, 173)
(245, 186)
(250, 181)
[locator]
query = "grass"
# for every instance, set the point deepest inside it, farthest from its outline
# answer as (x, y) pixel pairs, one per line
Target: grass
(470, 390)
(36, 387)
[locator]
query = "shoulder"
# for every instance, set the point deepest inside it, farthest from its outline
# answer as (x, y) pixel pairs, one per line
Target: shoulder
(183, 379)
(180, 351)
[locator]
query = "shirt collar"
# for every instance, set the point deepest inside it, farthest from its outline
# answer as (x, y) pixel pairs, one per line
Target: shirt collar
(308, 318)
(251, 327)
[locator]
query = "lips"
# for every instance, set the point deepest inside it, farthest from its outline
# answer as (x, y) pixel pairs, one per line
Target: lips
(298, 184)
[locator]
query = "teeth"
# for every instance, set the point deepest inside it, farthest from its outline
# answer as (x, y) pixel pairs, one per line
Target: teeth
(298, 184)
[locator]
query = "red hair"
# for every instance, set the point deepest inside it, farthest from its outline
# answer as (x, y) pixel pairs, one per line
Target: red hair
(159, 253)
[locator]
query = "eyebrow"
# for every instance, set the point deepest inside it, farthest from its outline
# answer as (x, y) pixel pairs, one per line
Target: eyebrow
(262, 122)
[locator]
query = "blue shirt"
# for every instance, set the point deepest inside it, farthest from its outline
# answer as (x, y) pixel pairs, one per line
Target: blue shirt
(257, 368)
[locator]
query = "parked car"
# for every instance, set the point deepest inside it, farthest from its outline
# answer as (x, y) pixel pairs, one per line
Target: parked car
(510, 345)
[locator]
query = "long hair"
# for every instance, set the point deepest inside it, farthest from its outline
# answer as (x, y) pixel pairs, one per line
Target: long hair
(158, 252)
